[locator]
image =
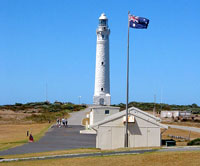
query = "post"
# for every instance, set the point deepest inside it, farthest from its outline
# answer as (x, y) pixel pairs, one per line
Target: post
(127, 88)
(154, 108)
(189, 135)
(79, 101)
(46, 92)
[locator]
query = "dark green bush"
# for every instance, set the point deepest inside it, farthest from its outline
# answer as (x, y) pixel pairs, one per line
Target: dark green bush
(18, 104)
(149, 106)
(194, 142)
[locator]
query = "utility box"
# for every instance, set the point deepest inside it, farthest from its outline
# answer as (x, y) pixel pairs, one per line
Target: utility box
(168, 142)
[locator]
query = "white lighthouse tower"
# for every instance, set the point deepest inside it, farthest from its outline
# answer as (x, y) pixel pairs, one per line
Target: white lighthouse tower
(102, 72)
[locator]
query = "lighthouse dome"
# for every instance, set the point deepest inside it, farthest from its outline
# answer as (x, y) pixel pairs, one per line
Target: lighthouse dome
(103, 17)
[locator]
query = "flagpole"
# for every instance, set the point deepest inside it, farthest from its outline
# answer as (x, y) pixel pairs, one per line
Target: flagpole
(127, 88)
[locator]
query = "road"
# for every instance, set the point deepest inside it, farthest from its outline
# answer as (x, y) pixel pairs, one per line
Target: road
(76, 117)
(194, 129)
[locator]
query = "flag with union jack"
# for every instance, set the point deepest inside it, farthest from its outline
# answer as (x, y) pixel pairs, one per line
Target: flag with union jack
(138, 22)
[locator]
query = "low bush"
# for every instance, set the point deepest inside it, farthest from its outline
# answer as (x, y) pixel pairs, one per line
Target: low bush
(48, 116)
(194, 142)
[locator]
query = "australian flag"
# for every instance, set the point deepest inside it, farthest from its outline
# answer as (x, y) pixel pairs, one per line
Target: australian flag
(138, 22)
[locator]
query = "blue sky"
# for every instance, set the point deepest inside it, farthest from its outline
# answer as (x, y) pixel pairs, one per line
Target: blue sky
(53, 43)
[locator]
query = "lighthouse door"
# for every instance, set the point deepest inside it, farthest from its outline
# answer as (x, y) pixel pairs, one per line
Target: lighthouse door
(101, 101)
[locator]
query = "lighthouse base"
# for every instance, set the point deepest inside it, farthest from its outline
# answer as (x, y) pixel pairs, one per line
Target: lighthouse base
(103, 99)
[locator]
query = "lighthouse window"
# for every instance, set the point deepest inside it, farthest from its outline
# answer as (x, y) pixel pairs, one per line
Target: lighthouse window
(102, 22)
(106, 111)
(101, 63)
(101, 89)
(102, 36)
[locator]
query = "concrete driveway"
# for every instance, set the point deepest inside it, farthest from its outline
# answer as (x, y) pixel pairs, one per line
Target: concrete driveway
(194, 129)
(76, 117)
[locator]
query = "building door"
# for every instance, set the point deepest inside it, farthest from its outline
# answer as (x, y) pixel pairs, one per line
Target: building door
(153, 135)
(101, 101)
(104, 138)
(117, 137)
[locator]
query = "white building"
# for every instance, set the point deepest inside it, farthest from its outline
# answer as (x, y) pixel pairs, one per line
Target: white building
(169, 114)
(143, 130)
(175, 114)
(102, 72)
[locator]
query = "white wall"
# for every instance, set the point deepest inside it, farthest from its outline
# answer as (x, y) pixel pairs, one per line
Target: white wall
(110, 137)
(98, 114)
(169, 114)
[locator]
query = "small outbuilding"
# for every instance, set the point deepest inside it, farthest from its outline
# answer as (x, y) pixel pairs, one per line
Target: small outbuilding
(143, 130)
(175, 114)
(169, 114)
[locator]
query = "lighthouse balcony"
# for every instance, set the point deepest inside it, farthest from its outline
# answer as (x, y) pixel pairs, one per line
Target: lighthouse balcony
(103, 30)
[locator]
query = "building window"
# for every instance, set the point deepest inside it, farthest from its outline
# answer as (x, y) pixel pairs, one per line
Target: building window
(102, 36)
(107, 111)
(101, 89)
(101, 63)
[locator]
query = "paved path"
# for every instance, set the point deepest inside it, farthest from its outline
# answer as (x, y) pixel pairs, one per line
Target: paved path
(194, 129)
(76, 117)
(59, 138)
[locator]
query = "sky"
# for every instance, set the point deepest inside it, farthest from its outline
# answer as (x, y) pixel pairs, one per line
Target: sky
(48, 50)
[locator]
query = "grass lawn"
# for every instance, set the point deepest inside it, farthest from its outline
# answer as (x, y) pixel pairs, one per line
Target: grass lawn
(15, 135)
(150, 159)
(179, 132)
(58, 152)
(71, 151)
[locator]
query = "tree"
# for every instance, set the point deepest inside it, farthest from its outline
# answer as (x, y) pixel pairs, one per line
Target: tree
(194, 105)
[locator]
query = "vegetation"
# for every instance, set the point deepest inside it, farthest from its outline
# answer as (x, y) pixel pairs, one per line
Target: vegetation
(57, 152)
(44, 111)
(51, 107)
(194, 142)
(15, 135)
(150, 159)
(160, 106)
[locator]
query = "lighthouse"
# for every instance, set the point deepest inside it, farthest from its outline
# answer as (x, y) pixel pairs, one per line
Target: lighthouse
(102, 71)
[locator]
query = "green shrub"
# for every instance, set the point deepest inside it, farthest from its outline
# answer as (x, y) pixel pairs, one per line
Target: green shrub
(18, 104)
(194, 142)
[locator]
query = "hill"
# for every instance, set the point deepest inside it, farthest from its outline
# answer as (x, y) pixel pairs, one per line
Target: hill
(160, 106)
(37, 111)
